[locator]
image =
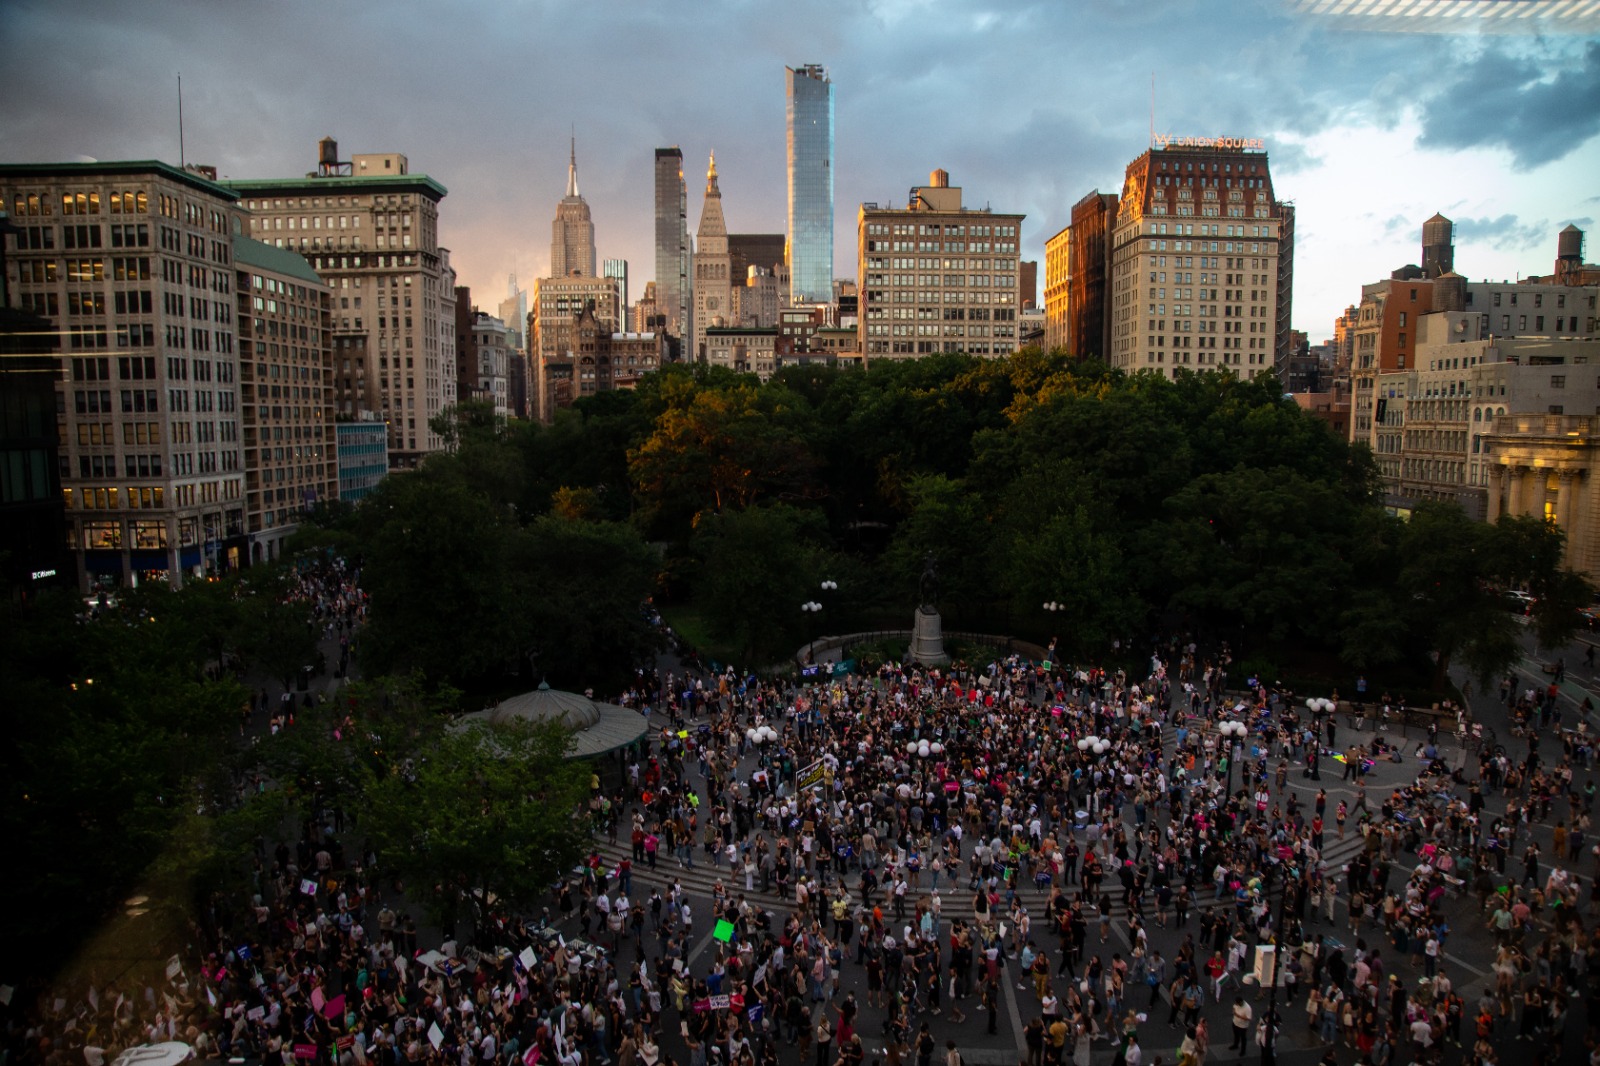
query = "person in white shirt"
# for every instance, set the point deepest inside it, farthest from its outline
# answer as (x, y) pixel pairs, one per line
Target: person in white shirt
(1242, 1015)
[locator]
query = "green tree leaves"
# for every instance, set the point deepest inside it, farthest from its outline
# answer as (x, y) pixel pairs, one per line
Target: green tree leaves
(485, 816)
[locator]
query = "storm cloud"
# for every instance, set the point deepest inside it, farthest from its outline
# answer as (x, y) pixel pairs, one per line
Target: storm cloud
(1028, 105)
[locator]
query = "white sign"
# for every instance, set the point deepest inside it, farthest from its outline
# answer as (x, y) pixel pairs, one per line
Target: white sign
(1266, 968)
(1167, 140)
(436, 1036)
(526, 958)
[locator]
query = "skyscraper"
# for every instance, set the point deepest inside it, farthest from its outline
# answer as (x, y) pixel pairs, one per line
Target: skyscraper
(809, 109)
(572, 232)
(672, 240)
(713, 286)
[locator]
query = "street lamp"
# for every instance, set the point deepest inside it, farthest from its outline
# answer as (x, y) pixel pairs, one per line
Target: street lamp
(1269, 1043)
(809, 608)
(1233, 731)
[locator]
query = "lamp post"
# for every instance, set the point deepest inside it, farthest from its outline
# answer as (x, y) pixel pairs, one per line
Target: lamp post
(809, 609)
(1054, 607)
(1233, 732)
(1269, 1043)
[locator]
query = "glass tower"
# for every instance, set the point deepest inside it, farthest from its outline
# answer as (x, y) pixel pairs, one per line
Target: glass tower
(672, 241)
(618, 268)
(810, 118)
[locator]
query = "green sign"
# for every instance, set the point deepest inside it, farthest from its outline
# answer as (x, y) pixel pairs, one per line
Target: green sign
(723, 931)
(1046, 664)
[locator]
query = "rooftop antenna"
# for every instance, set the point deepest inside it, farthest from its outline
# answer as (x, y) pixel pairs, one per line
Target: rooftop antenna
(1152, 109)
(181, 159)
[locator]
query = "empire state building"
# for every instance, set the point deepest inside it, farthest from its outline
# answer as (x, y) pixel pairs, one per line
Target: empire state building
(572, 232)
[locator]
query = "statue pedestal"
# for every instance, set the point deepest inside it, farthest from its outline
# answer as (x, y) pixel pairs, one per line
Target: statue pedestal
(927, 639)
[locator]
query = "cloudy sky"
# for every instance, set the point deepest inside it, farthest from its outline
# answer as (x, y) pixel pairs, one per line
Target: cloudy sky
(1372, 124)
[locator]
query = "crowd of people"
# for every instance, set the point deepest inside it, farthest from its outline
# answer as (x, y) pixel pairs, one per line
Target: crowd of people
(939, 833)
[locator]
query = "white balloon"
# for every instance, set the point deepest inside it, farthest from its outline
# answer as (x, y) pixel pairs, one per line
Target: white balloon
(936, 747)
(911, 747)
(1312, 702)
(750, 735)
(924, 749)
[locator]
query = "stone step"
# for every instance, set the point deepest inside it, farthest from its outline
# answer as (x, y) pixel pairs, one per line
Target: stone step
(700, 881)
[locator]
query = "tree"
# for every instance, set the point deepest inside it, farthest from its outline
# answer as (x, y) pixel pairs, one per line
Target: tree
(1446, 578)
(1256, 547)
(488, 818)
(335, 748)
(444, 594)
(947, 520)
(278, 631)
(1527, 550)
(718, 449)
(584, 617)
(110, 724)
(1055, 547)
(756, 567)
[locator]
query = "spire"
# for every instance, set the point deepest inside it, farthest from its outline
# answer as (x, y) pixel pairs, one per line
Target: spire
(572, 169)
(711, 177)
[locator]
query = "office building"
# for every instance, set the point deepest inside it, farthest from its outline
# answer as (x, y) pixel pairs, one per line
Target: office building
(1196, 277)
(134, 262)
(762, 250)
(363, 451)
(746, 350)
(618, 269)
(1547, 465)
(672, 298)
(809, 114)
(1080, 275)
(33, 529)
(483, 356)
(756, 299)
(589, 357)
(285, 391)
(370, 229)
(713, 268)
(1057, 269)
(557, 304)
(936, 276)
(572, 232)
(514, 313)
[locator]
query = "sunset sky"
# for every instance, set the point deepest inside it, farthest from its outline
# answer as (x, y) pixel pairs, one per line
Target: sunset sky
(1371, 124)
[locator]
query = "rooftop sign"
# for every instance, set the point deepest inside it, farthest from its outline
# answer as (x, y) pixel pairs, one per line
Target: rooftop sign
(1167, 140)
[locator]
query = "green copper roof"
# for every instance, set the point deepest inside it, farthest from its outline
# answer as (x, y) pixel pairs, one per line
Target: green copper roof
(313, 185)
(119, 167)
(278, 260)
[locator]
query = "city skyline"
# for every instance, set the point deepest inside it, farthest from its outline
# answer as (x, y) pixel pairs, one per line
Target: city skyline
(1370, 133)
